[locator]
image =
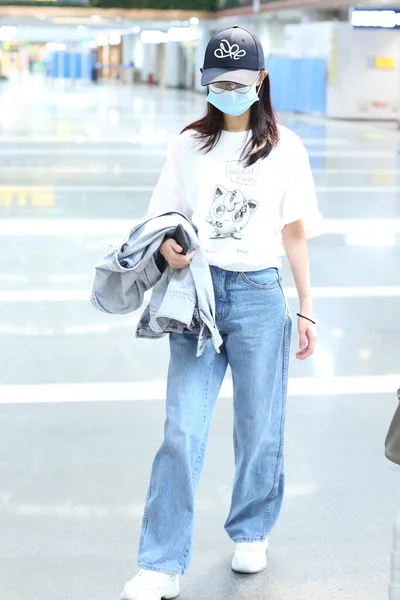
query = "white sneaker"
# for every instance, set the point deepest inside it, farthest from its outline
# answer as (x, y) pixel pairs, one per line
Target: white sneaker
(151, 585)
(250, 557)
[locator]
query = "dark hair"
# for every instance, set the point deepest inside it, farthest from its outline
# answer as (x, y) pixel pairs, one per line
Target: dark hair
(263, 123)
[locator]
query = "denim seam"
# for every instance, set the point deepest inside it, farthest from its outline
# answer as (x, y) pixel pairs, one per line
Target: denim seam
(158, 569)
(145, 519)
(284, 298)
(218, 307)
(260, 286)
(182, 564)
(249, 539)
(229, 304)
(279, 458)
(203, 443)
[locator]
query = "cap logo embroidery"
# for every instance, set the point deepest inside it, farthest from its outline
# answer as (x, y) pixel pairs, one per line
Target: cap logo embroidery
(225, 50)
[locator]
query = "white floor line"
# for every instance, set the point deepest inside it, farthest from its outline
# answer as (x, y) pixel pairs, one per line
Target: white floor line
(83, 295)
(357, 154)
(119, 170)
(351, 189)
(102, 119)
(79, 188)
(326, 141)
(80, 150)
(379, 291)
(155, 390)
(349, 171)
(119, 227)
(45, 295)
(372, 189)
(133, 137)
(83, 149)
(115, 170)
(367, 226)
(40, 227)
(101, 328)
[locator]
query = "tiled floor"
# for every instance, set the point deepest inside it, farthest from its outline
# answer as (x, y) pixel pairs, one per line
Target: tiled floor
(76, 169)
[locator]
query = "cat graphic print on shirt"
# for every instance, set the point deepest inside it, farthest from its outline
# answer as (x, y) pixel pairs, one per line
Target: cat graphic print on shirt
(230, 212)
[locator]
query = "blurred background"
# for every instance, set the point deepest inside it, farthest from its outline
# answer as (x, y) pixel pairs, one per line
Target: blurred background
(90, 95)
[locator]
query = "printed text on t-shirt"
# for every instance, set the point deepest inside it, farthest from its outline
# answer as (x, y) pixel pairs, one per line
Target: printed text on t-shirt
(238, 173)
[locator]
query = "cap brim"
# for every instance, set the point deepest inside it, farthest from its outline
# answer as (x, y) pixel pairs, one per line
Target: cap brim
(242, 76)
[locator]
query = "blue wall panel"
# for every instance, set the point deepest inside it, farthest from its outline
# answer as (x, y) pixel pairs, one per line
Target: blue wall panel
(279, 70)
(54, 65)
(87, 61)
(66, 65)
(298, 84)
(78, 66)
(74, 65)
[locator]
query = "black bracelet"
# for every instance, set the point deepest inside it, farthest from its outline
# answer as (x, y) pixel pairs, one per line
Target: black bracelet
(303, 317)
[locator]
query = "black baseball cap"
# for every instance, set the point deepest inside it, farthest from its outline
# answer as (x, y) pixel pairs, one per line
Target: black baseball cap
(233, 54)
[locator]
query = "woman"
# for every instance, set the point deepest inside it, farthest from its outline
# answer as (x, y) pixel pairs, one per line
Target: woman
(246, 184)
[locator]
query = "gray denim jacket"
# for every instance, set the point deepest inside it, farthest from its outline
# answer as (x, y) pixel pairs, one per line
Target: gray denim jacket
(181, 298)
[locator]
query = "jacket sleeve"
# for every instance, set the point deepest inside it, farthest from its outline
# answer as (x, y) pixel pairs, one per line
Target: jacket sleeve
(120, 289)
(167, 195)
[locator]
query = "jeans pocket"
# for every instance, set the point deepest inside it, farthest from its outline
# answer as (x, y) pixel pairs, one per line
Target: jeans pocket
(266, 279)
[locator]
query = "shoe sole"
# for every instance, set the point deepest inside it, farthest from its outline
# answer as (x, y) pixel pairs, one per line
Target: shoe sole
(162, 598)
(244, 572)
(174, 594)
(248, 571)
(171, 597)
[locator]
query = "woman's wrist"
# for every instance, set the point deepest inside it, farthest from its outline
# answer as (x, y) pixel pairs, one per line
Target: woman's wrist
(306, 305)
(305, 296)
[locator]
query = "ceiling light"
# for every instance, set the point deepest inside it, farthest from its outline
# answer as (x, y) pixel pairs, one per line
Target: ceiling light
(115, 39)
(72, 20)
(8, 33)
(153, 36)
(182, 34)
(55, 47)
(387, 19)
(138, 58)
(102, 41)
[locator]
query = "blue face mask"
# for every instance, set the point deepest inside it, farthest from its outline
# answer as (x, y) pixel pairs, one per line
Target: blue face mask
(232, 102)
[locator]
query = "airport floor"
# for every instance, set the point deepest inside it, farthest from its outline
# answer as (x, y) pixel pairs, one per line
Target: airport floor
(81, 399)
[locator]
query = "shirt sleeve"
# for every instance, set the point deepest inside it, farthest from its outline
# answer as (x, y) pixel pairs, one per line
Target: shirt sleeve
(300, 198)
(167, 195)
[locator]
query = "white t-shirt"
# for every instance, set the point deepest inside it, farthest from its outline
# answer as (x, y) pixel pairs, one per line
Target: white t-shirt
(239, 212)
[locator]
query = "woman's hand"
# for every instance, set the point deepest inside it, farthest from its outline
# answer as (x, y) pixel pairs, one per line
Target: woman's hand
(171, 251)
(307, 338)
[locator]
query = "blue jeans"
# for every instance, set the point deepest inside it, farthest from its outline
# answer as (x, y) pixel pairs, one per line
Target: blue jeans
(255, 324)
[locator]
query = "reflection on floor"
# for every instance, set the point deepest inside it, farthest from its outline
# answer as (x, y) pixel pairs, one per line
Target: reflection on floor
(81, 408)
